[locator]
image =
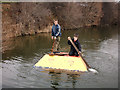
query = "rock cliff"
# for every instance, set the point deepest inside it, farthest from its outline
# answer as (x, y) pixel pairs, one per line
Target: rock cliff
(27, 18)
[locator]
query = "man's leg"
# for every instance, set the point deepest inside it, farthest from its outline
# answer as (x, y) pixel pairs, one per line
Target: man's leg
(71, 53)
(76, 54)
(58, 43)
(55, 46)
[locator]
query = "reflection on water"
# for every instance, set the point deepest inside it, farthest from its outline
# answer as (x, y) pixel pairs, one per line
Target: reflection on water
(56, 79)
(97, 47)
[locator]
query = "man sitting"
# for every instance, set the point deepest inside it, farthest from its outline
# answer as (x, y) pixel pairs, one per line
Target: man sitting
(75, 40)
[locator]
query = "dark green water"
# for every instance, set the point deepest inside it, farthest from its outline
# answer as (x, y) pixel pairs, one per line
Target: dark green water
(100, 49)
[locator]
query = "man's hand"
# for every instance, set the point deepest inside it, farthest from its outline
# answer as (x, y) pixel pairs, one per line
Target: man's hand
(69, 38)
(79, 52)
(52, 37)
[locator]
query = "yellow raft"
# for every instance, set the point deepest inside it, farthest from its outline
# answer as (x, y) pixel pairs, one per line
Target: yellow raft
(62, 62)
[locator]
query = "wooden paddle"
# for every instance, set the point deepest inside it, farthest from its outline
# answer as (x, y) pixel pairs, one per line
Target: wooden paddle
(88, 67)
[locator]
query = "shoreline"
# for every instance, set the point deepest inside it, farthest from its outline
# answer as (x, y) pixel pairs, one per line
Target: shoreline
(7, 41)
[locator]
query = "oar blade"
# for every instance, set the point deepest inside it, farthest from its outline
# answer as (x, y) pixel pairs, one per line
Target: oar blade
(93, 70)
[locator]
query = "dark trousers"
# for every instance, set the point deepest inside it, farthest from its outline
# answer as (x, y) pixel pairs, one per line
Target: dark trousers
(73, 53)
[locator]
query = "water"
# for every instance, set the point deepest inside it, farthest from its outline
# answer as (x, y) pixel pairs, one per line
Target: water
(100, 50)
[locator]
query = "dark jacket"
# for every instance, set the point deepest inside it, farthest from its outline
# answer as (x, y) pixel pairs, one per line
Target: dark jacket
(77, 43)
(56, 30)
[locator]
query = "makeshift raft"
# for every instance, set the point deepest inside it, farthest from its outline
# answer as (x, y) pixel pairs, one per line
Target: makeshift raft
(62, 62)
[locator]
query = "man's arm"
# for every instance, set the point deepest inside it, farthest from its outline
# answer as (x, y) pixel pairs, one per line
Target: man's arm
(58, 31)
(52, 31)
(69, 41)
(79, 46)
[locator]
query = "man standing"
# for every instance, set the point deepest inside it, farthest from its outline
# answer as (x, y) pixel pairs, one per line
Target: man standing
(56, 33)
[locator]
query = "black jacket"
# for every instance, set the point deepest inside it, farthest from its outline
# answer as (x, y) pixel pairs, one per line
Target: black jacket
(77, 43)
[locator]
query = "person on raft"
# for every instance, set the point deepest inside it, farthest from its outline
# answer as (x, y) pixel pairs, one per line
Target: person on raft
(75, 40)
(56, 34)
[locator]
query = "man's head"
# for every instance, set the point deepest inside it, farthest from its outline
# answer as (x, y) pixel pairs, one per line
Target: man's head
(55, 22)
(76, 36)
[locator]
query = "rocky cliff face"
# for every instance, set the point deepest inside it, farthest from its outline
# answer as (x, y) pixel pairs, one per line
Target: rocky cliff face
(27, 18)
(75, 15)
(110, 14)
(20, 19)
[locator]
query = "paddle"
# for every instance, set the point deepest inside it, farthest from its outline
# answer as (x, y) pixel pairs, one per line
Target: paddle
(88, 67)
